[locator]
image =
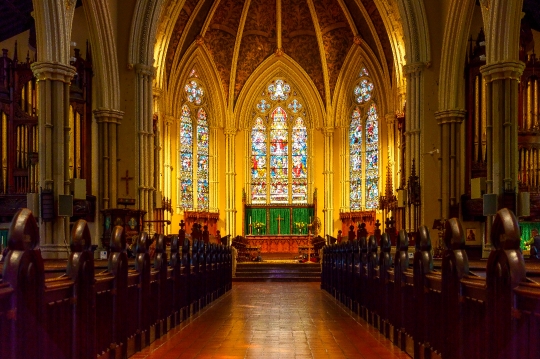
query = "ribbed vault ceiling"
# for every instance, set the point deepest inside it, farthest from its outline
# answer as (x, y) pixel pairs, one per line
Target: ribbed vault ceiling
(317, 34)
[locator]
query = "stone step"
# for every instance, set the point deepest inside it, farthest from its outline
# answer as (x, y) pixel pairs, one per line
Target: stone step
(277, 272)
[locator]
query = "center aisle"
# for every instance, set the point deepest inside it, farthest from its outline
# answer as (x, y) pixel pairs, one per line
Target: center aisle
(273, 320)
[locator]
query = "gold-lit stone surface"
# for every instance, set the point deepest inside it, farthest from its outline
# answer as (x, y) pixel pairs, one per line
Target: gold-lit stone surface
(273, 320)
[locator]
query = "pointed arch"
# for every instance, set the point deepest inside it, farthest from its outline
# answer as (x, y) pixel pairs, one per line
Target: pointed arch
(361, 56)
(105, 59)
(198, 58)
(279, 66)
(416, 31)
(143, 32)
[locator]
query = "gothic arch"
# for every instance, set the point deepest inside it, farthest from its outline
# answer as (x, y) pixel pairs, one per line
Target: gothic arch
(104, 50)
(53, 42)
(416, 31)
(359, 56)
(285, 67)
(454, 47)
(197, 57)
(143, 32)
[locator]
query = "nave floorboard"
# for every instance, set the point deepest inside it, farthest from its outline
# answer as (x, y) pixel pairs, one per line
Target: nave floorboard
(273, 320)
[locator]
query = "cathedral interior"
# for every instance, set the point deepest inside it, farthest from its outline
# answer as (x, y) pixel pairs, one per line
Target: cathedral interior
(277, 117)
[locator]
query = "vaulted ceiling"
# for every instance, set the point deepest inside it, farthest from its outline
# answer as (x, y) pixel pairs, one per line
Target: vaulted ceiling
(241, 34)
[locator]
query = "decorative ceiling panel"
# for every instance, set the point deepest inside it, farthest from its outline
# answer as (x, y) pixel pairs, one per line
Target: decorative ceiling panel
(376, 18)
(221, 37)
(337, 37)
(336, 44)
(300, 41)
(258, 40)
(176, 35)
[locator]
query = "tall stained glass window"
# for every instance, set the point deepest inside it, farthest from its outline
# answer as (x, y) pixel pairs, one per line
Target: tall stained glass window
(186, 158)
(194, 146)
(279, 147)
(202, 160)
(355, 159)
(364, 147)
(258, 162)
(299, 162)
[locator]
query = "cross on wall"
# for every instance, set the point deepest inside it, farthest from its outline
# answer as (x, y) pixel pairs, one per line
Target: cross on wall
(127, 179)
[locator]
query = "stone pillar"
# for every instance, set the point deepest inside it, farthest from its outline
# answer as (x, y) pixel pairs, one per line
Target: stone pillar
(502, 80)
(230, 181)
(144, 119)
(452, 142)
(328, 174)
(167, 163)
(213, 174)
(108, 121)
(54, 80)
(344, 169)
(390, 122)
(413, 119)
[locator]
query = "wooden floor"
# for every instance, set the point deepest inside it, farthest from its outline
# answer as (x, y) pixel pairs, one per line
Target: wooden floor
(273, 320)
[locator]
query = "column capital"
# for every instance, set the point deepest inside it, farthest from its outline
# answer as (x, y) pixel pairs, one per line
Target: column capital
(450, 116)
(144, 70)
(55, 71)
(502, 70)
(103, 115)
(390, 118)
(169, 119)
(328, 131)
(230, 131)
(157, 91)
(414, 67)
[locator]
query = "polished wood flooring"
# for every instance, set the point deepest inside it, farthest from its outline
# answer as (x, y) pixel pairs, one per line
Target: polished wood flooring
(273, 320)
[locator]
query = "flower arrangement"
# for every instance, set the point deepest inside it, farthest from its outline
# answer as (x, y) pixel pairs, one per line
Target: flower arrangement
(299, 226)
(258, 226)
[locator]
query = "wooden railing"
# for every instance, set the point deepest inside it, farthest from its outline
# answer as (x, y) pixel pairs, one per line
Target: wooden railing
(448, 313)
(95, 313)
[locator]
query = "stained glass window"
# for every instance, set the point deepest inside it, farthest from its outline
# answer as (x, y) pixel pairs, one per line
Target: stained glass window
(372, 158)
(279, 90)
(355, 160)
(194, 92)
(186, 158)
(258, 162)
(295, 106)
(363, 91)
(202, 160)
(279, 149)
(263, 105)
(279, 157)
(299, 162)
(364, 148)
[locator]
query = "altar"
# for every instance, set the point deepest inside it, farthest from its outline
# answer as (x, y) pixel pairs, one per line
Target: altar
(279, 243)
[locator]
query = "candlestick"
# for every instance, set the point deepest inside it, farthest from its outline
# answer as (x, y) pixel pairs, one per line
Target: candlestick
(249, 219)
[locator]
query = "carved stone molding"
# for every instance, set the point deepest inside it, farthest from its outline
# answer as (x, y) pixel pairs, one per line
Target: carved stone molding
(53, 71)
(503, 70)
(450, 116)
(105, 115)
(390, 118)
(144, 70)
(230, 131)
(414, 67)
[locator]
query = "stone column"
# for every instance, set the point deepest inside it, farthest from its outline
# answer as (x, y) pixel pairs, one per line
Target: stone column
(390, 122)
(145, 160)
(502, 80)
(167, 163)
(413, 119)
(230, 181)
(54, 80)
(213, 169)
(108, 121)
(328, 174)
(344, 187)
(451, 140)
